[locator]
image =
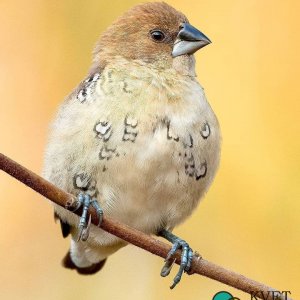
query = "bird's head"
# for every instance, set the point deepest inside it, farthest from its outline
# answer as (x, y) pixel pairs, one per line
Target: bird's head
(153, 33)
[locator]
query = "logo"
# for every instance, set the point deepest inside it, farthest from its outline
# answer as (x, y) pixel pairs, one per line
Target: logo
(270, 295)
(224, 296)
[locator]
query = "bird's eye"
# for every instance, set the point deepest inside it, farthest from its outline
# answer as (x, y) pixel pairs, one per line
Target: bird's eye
(157, 35)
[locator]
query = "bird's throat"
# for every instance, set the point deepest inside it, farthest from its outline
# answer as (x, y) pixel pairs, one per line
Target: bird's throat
(185, 65)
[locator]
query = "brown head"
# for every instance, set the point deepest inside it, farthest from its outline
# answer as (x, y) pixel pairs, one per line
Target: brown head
(153, 33)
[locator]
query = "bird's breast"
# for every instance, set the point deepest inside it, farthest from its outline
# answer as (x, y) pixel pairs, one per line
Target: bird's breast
(159, 149)
(147, 147)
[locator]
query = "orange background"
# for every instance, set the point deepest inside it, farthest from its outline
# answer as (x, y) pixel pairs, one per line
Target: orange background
(248, 222)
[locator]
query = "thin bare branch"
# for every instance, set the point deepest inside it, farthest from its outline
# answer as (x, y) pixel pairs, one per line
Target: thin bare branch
(135, 237)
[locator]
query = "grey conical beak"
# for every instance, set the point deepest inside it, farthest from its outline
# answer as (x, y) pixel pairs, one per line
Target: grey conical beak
(189, 40)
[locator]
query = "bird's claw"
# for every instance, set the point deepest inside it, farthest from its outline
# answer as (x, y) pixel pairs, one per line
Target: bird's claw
(99, 211)
(84, 230)
(185, 264)
(85, 201)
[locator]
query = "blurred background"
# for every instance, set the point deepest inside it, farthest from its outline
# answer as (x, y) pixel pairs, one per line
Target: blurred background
(250, 219)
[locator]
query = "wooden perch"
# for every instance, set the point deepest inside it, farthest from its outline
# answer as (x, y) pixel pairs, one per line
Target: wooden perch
(135, 237)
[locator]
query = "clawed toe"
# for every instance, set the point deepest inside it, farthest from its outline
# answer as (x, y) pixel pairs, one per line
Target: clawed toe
(84, 231)
(165, 271)
(85, 201)
(99, 211)
(186, 257)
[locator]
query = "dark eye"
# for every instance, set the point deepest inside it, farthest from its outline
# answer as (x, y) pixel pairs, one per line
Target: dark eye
(157, 35)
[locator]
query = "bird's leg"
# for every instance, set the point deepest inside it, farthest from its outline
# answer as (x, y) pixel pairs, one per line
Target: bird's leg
(186, 256)
(85, 201)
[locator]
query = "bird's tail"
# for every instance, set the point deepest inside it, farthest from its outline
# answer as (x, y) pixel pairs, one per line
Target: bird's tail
(68, 263)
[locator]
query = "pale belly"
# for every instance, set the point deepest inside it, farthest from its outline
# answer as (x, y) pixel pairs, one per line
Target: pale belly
(150, 178)
(148, 163)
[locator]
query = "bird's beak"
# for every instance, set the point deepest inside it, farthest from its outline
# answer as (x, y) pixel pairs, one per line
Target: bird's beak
(189, 40)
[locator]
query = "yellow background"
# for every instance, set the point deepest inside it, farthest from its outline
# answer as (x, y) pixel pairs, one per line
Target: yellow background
(248, 222)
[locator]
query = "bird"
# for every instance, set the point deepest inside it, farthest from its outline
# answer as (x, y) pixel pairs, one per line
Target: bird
(136, 139)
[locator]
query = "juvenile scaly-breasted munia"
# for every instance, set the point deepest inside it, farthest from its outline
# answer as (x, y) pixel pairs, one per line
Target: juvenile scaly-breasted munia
(137, 136)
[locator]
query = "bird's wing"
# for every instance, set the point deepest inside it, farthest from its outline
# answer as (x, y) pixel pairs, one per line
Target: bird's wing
(65, 227)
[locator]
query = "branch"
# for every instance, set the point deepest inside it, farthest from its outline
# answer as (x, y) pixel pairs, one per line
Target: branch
(199, 265)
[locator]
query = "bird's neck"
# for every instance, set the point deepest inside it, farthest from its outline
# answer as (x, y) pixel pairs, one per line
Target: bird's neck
(185, 65)
(132, 80)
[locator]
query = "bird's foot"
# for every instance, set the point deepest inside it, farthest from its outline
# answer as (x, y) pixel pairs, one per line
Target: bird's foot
(186, 256)
(85, 201)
